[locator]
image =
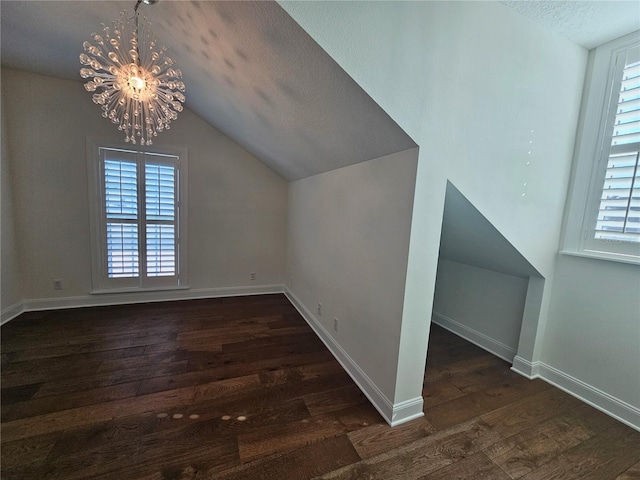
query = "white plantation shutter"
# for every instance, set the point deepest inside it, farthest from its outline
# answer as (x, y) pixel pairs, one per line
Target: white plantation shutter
(161, 250)
(619, 212)
(122, 250)
(138, 220)
(121, 212)
(121, 188)
(161, 202)
(616, 226)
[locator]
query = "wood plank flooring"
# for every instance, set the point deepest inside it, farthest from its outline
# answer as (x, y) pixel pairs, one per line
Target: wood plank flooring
(241, 388)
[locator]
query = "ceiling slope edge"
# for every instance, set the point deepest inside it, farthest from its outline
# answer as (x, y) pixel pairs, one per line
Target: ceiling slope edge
(251, 72)
(468, 237)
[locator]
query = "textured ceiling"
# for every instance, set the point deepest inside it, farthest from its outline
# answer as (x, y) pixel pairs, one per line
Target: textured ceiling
(250, 71)
(585, 22)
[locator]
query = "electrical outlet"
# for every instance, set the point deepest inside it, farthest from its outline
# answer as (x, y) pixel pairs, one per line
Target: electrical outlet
(320, 309)
(335, 324)
(57, 284)
(253, 275)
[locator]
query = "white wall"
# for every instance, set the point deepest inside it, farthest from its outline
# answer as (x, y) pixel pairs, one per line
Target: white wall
(10, 279)
(593, 331)
(478, 87)
(237, 206)
(348, 239)
(484, 306)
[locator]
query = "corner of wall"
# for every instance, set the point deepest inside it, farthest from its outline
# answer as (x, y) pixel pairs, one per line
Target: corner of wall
(531, 332)
(11, 286)
(11, 312)
(394, 414)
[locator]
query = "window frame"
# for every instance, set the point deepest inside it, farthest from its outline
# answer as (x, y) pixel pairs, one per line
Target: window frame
(100, 282)
(589, 168)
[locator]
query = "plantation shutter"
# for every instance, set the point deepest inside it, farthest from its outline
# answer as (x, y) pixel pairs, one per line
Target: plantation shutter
(140, 219)
(160, 211)
(120, 174)
(618, 216)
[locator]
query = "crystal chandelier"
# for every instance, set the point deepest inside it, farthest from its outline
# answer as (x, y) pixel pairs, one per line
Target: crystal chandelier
(136, 85)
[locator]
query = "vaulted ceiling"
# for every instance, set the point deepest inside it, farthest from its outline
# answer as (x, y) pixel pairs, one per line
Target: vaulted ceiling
(251, 71)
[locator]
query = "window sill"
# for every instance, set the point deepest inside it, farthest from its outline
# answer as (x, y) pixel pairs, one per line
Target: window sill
(612, 257)
(138, 290)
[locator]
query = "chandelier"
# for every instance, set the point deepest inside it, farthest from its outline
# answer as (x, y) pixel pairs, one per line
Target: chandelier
(135, 83)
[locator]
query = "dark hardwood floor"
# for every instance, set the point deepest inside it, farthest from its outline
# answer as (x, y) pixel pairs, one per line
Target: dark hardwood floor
(241, 388)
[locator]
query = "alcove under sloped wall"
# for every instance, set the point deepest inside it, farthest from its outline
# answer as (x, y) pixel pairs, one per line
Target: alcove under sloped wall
(483, 282)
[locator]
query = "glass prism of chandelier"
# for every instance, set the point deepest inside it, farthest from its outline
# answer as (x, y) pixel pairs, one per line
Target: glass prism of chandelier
(135, 83)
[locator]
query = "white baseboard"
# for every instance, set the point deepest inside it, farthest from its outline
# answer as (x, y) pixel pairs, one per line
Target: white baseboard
(406, 411)
(146, 297)
(612, 406)
(604, 402)
(525, 368)
(499, 349)
(11, 312)
(394, 414)
(34, 305)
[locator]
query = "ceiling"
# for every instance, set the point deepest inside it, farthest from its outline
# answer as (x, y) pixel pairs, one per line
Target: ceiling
(468, 237)
(251, 71)
(586, 22)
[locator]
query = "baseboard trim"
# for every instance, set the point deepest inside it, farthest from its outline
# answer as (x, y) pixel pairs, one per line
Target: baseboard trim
(525, 368)
(406, 411)
(612, 406)
(485, 342)
(34, 305)
(394, 414)
(11, 312)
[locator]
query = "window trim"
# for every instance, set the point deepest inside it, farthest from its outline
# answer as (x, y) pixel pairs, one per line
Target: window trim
(99, 282)
(587, 168)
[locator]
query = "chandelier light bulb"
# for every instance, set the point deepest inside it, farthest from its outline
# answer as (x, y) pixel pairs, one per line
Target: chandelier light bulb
(136, 85)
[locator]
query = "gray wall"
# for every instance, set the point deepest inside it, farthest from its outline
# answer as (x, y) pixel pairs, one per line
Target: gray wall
(10, 278)
(347, 243)
(593, 332)
(237, 206)
(492, 99)
(483, 306)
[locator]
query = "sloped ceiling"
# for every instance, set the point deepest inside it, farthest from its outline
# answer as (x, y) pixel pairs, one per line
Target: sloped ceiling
(468, 237)
(254, 73)
(251, 71)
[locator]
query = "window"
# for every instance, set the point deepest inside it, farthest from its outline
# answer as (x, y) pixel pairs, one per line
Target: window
(604, 209)
(138, 218)
(617, 210)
